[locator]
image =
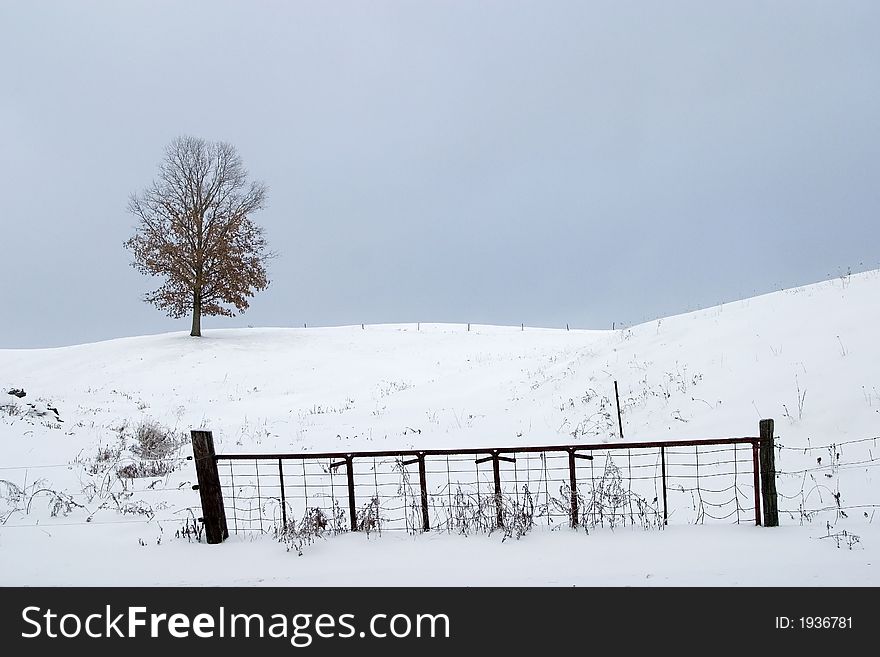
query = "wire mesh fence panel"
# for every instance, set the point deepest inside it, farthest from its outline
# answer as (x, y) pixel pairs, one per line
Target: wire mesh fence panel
(622, 489)
(830, 481)
(711, 484)
(486, 490)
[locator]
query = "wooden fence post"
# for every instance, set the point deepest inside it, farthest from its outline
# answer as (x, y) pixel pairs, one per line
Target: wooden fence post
(423, 485)
(499, 500)
(768, 474)
(213, 513)
(352, 506)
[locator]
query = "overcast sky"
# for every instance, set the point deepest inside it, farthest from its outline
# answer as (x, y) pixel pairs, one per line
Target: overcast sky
(498, 162)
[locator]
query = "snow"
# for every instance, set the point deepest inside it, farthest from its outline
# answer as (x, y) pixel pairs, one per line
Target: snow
(806, 357)
(110, 555)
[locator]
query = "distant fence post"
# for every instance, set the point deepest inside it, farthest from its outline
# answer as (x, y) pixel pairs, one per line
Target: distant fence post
(617, 403)
(768, 474)
(213, 512)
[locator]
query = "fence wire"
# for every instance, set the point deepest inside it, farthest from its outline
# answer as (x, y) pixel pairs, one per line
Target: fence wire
(809, 482)
(607, 486)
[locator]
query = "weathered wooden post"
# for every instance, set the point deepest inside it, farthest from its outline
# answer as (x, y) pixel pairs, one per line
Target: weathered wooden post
(768, 474)
(213, 512)
(499, 500)
(423, 484)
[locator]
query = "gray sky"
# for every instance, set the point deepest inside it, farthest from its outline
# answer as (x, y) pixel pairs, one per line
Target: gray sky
(488, 162)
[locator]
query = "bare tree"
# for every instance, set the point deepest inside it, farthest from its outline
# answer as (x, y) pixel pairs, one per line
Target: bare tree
(195, 230)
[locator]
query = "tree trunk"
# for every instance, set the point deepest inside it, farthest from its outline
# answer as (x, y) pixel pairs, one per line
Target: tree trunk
(197, 318)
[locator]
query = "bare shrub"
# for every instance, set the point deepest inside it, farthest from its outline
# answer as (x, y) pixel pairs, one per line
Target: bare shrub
(519, 515)
(314, 524)
(140, 469)
(105, 458)
(10, 409)
(192, 529)
(136, 508)
(610, 503)
(12, 498)
(154, 441)
(368, 520)
(60, 503)
(154, 447)
(465, 513)
(842, 537)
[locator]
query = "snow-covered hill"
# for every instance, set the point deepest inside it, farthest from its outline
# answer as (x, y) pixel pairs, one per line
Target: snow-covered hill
(806, 357)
